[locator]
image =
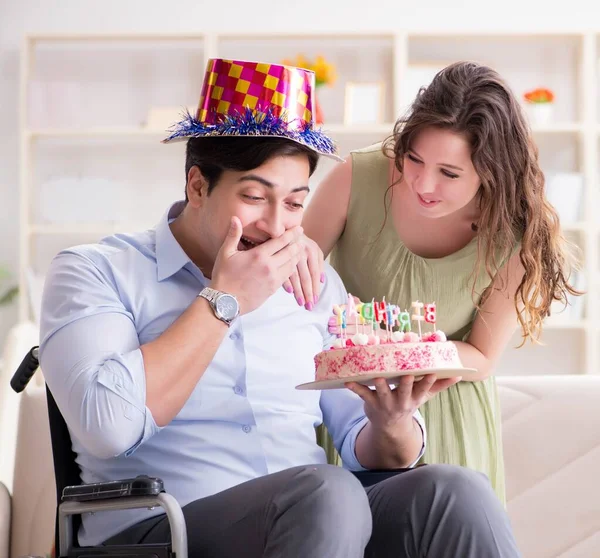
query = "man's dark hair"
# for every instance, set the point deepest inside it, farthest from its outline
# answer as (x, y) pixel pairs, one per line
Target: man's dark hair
(213, 155)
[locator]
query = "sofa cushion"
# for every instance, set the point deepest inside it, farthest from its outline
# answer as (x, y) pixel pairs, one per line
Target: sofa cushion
(551, 434)
(5, 520)
(34, 491)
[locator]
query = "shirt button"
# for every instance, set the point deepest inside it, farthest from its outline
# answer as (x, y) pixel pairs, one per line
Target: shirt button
(238, 390)
(246, 428)
(234, 336)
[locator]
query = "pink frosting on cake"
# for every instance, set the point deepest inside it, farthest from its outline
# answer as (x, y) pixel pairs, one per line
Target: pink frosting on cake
(377, 338)
(386, 357)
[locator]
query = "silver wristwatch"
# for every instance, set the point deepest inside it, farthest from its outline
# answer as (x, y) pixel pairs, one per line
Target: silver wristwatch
(224, 305)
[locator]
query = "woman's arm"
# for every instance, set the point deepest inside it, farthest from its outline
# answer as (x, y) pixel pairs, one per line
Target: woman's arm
(325, 217)
(495, 322)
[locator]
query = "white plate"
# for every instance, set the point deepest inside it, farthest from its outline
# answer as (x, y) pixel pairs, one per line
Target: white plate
(391, 377)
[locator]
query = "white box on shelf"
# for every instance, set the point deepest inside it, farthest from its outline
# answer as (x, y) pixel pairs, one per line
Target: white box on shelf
(364, 103)
(539, 114)
(564, 191)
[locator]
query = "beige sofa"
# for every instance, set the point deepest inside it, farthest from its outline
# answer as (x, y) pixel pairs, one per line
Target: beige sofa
(33, 493)
(552, 454)
(551, 431)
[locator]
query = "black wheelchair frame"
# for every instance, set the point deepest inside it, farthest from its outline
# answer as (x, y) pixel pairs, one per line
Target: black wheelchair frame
(75, 498)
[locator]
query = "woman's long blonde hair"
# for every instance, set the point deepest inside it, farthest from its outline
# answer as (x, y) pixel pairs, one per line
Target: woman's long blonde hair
(474, 101)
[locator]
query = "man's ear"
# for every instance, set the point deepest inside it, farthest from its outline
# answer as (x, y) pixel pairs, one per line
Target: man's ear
(196, 187)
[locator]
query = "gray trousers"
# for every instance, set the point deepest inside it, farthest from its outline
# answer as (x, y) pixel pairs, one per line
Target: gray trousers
(323, 511)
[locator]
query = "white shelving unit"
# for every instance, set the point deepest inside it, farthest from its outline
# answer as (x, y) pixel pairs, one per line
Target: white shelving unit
(84, 100)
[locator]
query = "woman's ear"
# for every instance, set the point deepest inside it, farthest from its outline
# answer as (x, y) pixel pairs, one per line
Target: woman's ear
(196, 187)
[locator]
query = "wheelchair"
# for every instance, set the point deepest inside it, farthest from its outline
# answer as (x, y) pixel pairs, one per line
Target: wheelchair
(75, 498)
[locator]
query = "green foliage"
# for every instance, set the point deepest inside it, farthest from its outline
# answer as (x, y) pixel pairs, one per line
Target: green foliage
(8, 296)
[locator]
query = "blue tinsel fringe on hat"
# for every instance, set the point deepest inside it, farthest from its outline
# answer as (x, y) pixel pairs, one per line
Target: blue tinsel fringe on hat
(252, 123)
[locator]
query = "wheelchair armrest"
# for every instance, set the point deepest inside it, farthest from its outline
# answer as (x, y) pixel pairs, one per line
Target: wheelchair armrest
(88, 498)
(141, 485)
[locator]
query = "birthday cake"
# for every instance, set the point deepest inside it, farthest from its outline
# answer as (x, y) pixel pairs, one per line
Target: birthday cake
(383, 342)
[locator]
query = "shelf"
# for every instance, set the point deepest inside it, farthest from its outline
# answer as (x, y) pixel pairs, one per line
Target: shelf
(558, 128)
(342, 129)
(534, 34)
(469, 34)
(270, 36)
(574, 227)
(100, 229)
(107, 82)
(334, 129)
(570, 325)
(82, 133)
(75, 37)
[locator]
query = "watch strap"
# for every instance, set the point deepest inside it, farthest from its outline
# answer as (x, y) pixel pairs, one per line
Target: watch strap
(209, 294)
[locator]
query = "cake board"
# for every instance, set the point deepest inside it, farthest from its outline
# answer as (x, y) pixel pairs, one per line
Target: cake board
(391, 377)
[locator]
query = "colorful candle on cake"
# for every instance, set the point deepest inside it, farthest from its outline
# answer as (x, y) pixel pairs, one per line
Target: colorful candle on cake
(379, 310)
(404, 321)
(430, 314)
(367, 313)
(388, 315)
(383, 317)
(391, 312)
(351, 311)
(340, 314)
(359, 317)
(417, 316)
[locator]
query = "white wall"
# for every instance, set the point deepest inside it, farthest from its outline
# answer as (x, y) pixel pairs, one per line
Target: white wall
(18, 17)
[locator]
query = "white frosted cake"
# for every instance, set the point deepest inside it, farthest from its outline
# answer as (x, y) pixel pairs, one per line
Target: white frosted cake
(369, 353)
(393, 356)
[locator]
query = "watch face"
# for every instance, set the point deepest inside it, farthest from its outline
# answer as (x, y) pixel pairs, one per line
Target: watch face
(227, 306)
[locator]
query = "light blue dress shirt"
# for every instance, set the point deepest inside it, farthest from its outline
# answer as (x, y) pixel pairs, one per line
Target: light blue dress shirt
(243, 420)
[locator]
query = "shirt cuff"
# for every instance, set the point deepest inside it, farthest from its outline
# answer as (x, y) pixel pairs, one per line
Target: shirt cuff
(348, 451)
(419, 420)
(125, 376)
(150, 428)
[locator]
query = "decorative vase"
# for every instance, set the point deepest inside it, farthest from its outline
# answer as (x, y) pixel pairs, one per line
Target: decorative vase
(319, 119)
(540, 113)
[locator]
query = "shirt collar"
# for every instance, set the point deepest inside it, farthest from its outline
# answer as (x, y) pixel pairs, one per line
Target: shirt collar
(170, 257)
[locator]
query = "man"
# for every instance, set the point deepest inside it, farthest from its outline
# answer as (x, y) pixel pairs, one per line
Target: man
(175, 353)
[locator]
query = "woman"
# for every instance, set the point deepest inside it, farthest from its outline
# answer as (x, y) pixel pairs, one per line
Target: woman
(451, 209)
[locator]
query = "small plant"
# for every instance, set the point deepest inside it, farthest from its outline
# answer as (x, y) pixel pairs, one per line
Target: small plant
(539, 96)
(8, 296)
(324, 71)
